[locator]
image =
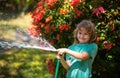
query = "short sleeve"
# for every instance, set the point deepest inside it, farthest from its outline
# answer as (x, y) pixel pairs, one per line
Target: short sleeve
(92, 50)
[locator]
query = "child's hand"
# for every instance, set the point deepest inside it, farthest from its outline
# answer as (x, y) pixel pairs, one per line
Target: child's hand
(60, 56)
(61, 51)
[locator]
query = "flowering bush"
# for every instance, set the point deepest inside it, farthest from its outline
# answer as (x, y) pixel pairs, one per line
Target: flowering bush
(56, 19)
(53, 18)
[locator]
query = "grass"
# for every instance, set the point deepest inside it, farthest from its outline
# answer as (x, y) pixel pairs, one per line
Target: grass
(24, 63)
(21, 63)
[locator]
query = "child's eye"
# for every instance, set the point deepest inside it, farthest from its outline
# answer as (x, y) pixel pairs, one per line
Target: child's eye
(87, 34)
(80, 33)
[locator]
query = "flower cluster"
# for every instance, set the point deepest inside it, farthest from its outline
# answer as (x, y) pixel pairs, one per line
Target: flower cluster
(54, 16)
(107, 45)
(99, 10)
(50, 66)
(34, 31)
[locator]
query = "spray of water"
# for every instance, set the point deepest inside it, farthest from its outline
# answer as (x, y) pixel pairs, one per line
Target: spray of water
(22, 39)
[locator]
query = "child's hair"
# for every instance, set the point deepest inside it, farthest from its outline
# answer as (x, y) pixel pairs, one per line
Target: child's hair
(89, 26)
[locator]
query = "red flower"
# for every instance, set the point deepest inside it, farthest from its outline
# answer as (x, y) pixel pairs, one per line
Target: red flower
(109, 46)
(77, 13)
(50, 66)
(34, 31)
(54, 28)
(63, 11)
(40, 3)
(47, 28)
(49, 18)
(111, 22)
(64, 27)
(98, 39)
(38, 17)
(50, 2)
(58, 37)
(41, 25)
(51, 42)
(75, 2)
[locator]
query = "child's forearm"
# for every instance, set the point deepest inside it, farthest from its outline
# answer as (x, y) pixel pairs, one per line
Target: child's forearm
(64, 64)
(78, 55)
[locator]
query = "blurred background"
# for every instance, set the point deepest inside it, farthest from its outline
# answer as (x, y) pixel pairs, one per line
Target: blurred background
(19, 63)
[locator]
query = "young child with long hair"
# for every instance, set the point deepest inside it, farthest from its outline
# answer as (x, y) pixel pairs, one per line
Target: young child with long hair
(80, 55)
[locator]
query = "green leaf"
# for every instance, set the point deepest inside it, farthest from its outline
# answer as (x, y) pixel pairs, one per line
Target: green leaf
(90, 6)
(110, 56)
(27, 1)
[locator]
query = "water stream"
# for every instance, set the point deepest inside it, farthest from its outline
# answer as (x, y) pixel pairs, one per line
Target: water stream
(22, 39)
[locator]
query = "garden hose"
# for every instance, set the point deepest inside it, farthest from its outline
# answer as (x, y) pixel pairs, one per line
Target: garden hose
(57, 68)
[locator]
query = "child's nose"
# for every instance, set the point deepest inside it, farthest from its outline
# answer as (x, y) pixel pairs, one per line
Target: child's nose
(81, 35)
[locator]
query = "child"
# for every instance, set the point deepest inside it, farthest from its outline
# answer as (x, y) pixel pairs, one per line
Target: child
(80, 55)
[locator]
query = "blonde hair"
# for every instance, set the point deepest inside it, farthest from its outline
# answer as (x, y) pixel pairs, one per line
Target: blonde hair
(89, 26)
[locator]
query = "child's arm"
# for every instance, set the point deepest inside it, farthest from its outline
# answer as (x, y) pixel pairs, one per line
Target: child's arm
(65, 64)
(77, 55)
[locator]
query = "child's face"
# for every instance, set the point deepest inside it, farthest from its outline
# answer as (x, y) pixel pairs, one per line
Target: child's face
(83, 36)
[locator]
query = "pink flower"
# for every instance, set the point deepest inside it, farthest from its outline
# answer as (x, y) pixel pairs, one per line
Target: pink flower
(98, 10)
(105, 42)
(95, 11)
(101, 9)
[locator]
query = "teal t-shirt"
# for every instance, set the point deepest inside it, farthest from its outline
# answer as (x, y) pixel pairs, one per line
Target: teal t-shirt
(81, 68)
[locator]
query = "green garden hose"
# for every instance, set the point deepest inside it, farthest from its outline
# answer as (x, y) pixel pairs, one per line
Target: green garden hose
(57, 68)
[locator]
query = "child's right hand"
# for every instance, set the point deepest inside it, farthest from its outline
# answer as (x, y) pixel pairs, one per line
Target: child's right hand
(60, 56)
